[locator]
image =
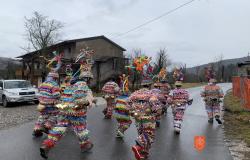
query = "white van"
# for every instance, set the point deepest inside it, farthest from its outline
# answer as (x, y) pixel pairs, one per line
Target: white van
(17, 91)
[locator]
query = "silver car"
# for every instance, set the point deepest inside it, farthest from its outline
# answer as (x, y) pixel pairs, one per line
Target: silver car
(17, 91)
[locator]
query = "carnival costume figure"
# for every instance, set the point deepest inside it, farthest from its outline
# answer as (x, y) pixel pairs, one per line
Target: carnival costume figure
(179, 101)
(144, 106)
(111, 90)
(77, 98)
(212, 95)
(162, 84)
(122, 109)
(49, 95)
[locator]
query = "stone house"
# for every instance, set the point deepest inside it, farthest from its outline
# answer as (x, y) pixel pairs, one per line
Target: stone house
(108, 59)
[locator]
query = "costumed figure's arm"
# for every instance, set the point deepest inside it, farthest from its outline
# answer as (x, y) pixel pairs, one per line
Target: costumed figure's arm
(155, 105)
(56, 92)
(221, 94)
(81, 97)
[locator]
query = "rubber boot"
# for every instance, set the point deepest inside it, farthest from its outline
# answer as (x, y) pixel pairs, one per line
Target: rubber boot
(210, 120)
(138, 152)
(44, 151)
(158, 123)
(177, 130)
(86, 147)
(119, 134)
(37, 133)
(217, 118)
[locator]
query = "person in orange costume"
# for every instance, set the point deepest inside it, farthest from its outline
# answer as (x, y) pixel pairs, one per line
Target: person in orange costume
(212, 94)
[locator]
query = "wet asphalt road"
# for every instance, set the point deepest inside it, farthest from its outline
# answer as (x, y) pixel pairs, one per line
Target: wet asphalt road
(17, 143)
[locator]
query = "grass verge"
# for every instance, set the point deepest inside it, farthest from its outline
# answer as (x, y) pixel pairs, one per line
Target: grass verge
(237, 120)
(190, 85)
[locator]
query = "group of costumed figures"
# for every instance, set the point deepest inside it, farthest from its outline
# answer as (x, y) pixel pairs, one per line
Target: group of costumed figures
(64, 107)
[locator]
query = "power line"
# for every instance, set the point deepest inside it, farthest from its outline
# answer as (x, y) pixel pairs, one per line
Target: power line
(156, 18)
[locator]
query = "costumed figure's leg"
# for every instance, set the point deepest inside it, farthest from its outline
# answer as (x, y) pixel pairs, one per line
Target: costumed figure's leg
(80, 128)
(122, 116)
(54, 136)
(216, 113)
(145, 138)
(40, 124)
(178, 118)
(173, 107)
(123, 125)
(210, 115)
(52, 118)
(164, 108)
(158, 117)
(110, 106)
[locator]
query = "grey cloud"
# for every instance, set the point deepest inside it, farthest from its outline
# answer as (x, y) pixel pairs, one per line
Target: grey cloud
(194, 34)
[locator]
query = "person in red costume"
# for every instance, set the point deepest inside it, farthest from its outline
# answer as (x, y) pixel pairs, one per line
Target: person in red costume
(212, 94)
(144, 106)
(179, 101)
(111, 90)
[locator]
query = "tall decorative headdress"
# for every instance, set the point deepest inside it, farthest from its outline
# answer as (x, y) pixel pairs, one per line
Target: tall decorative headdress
(86, 62)
(209, 73)
(178, 75)
(124, 83)
(53, 70)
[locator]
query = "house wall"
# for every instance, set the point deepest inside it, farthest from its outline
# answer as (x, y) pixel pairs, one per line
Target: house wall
(101, 47)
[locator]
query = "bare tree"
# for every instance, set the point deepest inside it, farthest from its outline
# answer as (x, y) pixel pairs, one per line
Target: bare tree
(219, 67)
(197, 70)
(137, 52)
(40, 32)
(162, 60)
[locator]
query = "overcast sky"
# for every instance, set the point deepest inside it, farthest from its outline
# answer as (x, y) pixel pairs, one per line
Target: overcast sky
(194, 34)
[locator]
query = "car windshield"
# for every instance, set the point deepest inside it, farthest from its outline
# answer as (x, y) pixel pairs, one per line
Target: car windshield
(16, 84)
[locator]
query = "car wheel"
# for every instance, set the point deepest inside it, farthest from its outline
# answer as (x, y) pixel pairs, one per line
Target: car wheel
(5, 102)
(36, 102)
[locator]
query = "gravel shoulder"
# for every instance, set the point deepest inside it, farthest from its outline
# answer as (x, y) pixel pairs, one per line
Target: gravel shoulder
(22, 113)
(17, 114)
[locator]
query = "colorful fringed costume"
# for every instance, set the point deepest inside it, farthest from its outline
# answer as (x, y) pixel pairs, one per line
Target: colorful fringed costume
(76, 99)
(158, 112)
(212, 94)
(161, 83)
(179, 101)
(111, 91)
(73, 114)
(122, 109)
(49, 95)
(122, 115)
(144, 106)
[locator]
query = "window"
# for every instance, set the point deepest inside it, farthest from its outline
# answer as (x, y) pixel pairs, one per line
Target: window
(16, 84)
(1, 84)
(115, 64)
(38, 65)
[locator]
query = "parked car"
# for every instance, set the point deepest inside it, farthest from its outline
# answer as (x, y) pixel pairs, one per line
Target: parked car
(17, 91)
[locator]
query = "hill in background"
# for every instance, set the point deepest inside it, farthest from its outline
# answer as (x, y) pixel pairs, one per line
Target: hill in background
(8, 67)
(224, 69)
